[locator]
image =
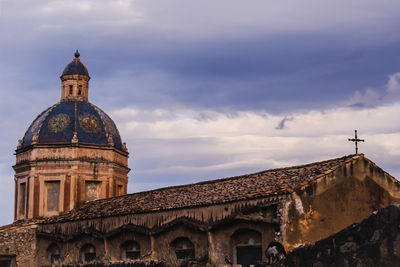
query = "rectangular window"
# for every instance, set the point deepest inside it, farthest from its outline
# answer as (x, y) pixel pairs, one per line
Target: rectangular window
(70, 89)
(53, 195)
(22, 198)
(92, 190)
(79, 89)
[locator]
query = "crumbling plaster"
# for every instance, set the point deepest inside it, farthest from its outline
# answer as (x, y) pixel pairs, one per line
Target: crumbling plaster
(335, 200)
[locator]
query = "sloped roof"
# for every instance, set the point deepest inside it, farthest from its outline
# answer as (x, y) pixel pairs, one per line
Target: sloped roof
(250, 186)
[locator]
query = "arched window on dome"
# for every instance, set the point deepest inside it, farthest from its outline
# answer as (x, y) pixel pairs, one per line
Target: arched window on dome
(71, 89)
(53, 253)
(130, 250)
(88, 253)
(183, 248)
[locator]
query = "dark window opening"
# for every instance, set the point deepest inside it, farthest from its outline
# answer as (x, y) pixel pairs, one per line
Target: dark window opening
(79, 89)
(70, 89)
(88, 253)
(53, 254)
(183, 248)
(249, 255)
(246, 245)
(5, 263)
(130, 250)
(120, 190)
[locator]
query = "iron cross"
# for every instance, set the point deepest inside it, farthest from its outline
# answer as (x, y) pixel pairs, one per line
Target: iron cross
(356, 140)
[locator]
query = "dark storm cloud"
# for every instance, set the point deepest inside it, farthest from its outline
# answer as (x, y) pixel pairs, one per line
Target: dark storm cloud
(255, 65)
(243, 76)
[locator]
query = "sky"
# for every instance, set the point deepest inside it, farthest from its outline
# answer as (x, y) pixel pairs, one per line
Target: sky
(210, 89)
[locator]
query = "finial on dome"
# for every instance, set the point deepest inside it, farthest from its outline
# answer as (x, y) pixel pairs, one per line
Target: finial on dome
(75, 138)
(77, 54)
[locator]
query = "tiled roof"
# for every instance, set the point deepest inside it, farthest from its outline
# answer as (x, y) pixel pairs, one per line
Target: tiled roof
(251, 186)
(75, 67)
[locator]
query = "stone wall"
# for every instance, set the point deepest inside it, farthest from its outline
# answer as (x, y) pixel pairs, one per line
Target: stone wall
(19, 243)
(373, 242)
(121, 264)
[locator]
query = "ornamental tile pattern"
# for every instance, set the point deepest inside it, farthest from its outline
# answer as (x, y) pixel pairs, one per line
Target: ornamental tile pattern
(57, 124)
(110, 126)
(46, 136)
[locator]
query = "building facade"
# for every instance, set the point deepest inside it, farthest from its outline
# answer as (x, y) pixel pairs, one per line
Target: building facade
(72, 207)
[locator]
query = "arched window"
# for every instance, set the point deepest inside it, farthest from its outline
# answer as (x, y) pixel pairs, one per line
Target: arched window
(88, 253)
(130, 250)
(246, 246)
(183, 248)
(53, 253)
(70, 89)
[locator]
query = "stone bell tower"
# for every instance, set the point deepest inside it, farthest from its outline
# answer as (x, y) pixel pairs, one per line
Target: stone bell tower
(71, 153)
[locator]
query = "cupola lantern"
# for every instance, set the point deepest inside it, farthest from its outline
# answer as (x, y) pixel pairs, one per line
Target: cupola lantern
(75, 80)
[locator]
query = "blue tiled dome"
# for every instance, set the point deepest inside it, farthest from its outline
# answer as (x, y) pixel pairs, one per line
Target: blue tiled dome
(57, 124)
(75, 67)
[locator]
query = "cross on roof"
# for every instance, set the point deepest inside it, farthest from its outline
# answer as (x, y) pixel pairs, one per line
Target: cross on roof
(356, 140)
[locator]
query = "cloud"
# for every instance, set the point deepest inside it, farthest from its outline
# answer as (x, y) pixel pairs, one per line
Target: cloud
(393, 88)
(371, 97)
(271, 56)
(282, 123)
(178, 146)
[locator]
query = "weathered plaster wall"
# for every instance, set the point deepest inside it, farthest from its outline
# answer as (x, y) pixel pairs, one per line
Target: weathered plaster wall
(114, 243)
(373, 242)
(336, 200)
(69, 250)
(21, 242)
(223, 242)
(210, 237)
(164, 239)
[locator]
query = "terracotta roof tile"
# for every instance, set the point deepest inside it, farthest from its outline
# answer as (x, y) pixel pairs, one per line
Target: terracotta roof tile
(250, 186)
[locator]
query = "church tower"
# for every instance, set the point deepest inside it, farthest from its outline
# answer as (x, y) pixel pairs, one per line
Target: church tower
(71, 153)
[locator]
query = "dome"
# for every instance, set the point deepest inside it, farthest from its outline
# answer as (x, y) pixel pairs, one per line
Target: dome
(75, 67)
(73, 122)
